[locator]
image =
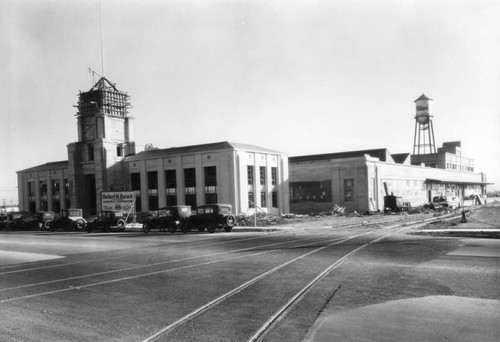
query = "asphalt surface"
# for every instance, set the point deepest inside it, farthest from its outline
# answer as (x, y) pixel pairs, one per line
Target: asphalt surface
(228, 286)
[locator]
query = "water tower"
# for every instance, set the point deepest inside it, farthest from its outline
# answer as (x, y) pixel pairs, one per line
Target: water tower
(423, 141)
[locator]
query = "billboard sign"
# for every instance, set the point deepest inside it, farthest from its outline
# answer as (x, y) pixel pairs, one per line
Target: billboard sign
(118, 201)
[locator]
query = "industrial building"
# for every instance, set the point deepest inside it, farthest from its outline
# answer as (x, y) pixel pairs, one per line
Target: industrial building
(358, 181)
(106, 158)
(361, 180)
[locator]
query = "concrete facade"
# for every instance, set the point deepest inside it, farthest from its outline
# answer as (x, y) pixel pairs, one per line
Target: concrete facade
(230, 162)
(356, 181)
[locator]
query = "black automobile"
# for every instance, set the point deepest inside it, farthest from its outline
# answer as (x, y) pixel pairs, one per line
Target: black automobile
(46, 220)
(106, 220)
(169, 218)
(21, 220)
(66, 219)
(212, 217)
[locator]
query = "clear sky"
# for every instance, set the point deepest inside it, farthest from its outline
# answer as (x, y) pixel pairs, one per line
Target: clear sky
(301, 77)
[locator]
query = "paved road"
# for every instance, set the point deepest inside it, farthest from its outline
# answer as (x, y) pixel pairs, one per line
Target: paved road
(244, 286)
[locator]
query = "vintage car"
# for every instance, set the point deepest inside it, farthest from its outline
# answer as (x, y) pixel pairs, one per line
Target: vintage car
(106, 220)
(21, 220)
(46, 220)
(169, 218)
(212, 217)
(67, 219)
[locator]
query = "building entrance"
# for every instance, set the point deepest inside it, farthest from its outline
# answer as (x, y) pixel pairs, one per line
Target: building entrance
(89, 195)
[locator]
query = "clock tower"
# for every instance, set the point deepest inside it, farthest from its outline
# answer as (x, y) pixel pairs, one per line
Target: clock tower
(104, 139)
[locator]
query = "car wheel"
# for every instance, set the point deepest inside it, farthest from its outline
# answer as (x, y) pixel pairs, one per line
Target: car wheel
(211, 228)
(121, 224)
(184, 227)
(230, 221)
(49, 225)
(172, 228)
(80, 224)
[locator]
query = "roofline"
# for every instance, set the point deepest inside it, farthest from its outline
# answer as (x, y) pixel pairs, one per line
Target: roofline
(337, 155)
(193, 149)
(450, 181)
(61, 164)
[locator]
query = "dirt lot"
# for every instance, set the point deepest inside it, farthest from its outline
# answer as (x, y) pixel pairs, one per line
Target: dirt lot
(485, 216)
(480, 221)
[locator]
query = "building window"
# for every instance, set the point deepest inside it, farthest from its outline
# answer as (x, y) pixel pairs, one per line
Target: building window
(119, 150)
(263, 199)
(171, 187)
(32, 197)
(310, 192)
(67, 194)
(135, 181)
(56, 203)
(135, 184)
(210, 184)
(31, 190)
(191, 200)
(190, 186)
(275, 199)
(190, 178)
(210, 176)
(90, 149)
(44, 204)
(274, 176)
(348, 190)
(153, 190)
(262, 175)
(251, 203)
(153, 181)
(250, 174)
(210, 198)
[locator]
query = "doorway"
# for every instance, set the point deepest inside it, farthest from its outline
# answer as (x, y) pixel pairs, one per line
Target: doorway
(89, 195)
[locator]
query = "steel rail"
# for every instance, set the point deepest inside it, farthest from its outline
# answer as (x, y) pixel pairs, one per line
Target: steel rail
(279, 314)
(238, 289)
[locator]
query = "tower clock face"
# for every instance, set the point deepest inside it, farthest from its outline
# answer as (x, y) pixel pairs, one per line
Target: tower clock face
(89, 129)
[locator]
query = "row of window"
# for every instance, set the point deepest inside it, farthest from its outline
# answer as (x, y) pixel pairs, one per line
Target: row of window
(319, 191)
(459, 167)
(262, 173)
(44, 198)
(210, 184)
(262, 182)
(90, 151)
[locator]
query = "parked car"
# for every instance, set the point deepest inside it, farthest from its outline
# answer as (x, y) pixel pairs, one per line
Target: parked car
(21, 220)
(67, 219)
(212, 217)
(169, 218)
(46, 220)
(107, 221)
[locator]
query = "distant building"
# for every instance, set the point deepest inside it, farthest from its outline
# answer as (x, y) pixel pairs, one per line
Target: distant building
(104, 159)
(448, 157)
(358, 181)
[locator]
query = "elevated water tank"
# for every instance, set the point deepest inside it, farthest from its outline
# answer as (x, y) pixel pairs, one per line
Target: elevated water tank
(423, 109)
